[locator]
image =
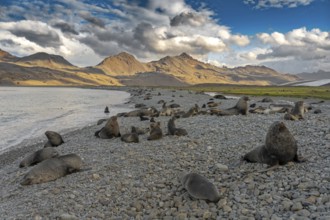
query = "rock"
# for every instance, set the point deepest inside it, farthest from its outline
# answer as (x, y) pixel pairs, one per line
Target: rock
(66, 216)
(221, 167)
(311, 199)
(96, 176)
(222, 203)
(303, 212)
(296, 206)
(138, 206)
(287, 205)
(226, 208)
(181, 216)
(207, 215)
(327, 137)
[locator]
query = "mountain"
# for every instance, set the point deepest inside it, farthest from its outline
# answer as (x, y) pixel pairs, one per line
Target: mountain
(6, 57)
(188, 70)
(122, 64)
(315, 76)
(44, 60)
(42, 69)
(125, 69)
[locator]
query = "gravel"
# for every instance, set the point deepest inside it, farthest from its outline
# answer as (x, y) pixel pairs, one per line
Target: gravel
(140, 181)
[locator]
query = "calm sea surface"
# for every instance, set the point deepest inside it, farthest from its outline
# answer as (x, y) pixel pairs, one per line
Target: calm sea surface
(26, 113)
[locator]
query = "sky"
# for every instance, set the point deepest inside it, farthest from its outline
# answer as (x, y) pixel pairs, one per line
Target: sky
(290, 36)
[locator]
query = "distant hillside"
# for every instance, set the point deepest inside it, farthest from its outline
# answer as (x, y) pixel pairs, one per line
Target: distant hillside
(315, 76)
(44, 60)
(122, 64)
(49, 70)
(151, 79)
(191, 71)
(6, 57)
(125, 69)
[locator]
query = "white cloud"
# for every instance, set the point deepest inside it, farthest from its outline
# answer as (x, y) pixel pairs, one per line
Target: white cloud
(277, 3)
(299, 46)
(85, 34)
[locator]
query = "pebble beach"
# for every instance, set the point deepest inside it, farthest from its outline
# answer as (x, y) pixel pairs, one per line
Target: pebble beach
(141, 180)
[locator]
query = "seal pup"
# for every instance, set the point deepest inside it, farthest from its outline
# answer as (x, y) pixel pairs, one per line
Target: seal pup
(291, 117)
(298, 110)
(110, 130)
(172, 130)
(54, 139)
(192, 111)
(199, 187)
(241, 107)
(38, 156)
(132, 137)
(139, 131)
(52, 169)
(155, 131)
(106, 110)
(280, 147)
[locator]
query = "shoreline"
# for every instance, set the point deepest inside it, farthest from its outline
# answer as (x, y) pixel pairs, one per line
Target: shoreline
(34, 143)
(140, 181)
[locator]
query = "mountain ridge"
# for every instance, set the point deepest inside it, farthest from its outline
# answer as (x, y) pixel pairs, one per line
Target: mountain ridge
(320, 74)
(37, 59)
(124, 68)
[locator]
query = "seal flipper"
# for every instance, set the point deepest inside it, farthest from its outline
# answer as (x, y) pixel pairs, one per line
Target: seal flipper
(26, 181)
(97, 133)
(299, 159)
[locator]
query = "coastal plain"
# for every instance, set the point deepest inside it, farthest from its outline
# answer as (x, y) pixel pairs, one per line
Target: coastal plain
(140, 180)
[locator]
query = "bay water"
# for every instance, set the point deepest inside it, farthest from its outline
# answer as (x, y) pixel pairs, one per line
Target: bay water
(27, 112)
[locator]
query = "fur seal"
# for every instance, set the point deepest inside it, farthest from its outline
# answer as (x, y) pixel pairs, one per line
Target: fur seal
(52, 169)
(132, 137)
(267, 99)
(155, 131)
(241, 107)
(54, 139)
(136, 113)
(174, 105)
(110, 130)
(291, 117)
(298, 110)
(106, 110)
(280, 147)
(38, 156)
(192, 111)
(212, 104)
(199, 187)
(139, 131)
(172, 130)
(218, 96)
